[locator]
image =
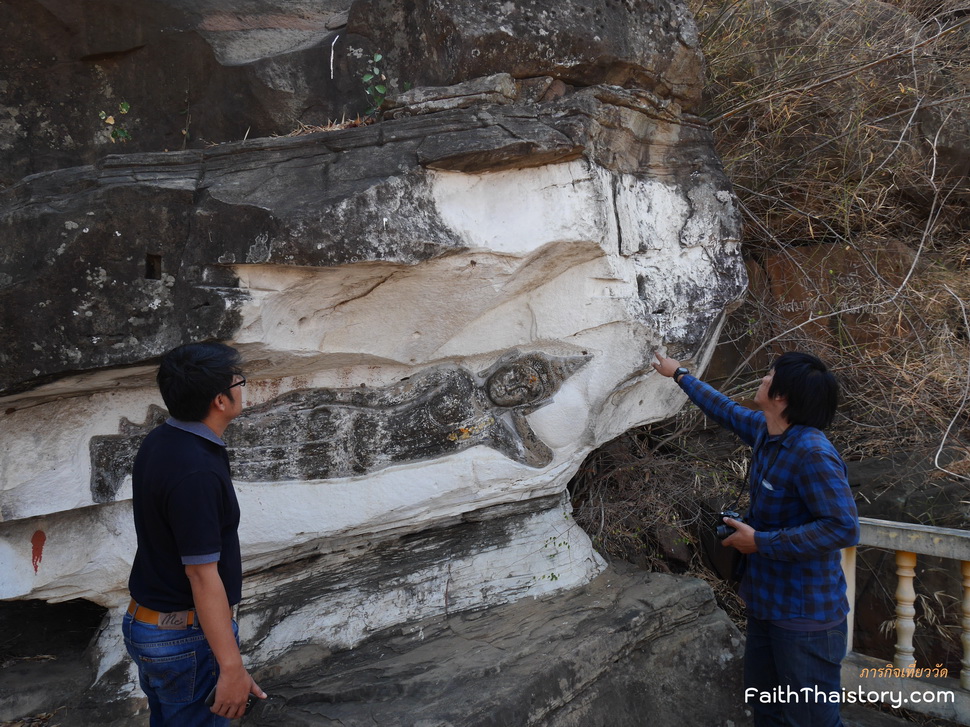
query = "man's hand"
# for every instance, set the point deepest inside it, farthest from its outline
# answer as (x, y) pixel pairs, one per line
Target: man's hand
(232, 692)
(215, 618)
(742, 539)
(665, 366)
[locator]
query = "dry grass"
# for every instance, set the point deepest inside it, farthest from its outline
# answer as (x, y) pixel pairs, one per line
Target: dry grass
(645, 500)
(838, 134)
(841, 135)
(303, 129)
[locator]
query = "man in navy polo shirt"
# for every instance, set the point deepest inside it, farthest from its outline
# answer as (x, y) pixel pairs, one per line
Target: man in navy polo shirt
(187, 572)
(801, 515)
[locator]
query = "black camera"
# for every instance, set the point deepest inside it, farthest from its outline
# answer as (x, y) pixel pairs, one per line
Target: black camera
(723, 530)
(250, 700)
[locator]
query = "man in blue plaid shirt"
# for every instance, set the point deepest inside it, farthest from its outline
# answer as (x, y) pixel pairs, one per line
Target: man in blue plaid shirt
(801, 515)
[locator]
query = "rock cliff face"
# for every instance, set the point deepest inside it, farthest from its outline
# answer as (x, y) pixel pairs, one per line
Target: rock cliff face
(442, 313)
(625, 650)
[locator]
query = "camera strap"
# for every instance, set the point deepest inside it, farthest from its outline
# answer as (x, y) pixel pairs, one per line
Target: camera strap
(766, 470)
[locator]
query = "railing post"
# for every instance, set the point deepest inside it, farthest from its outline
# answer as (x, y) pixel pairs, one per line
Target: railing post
(965, 625)
(905, 608)
(848, 568)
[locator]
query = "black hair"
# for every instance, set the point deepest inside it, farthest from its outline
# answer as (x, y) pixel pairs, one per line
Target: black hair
(811, 389)
(191, 376)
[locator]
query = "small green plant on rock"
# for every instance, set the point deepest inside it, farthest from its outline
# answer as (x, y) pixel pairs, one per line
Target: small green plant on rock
(375, 84)
(118, 132)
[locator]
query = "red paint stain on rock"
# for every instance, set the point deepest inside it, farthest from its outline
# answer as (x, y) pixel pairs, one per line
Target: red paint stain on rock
(37, 548)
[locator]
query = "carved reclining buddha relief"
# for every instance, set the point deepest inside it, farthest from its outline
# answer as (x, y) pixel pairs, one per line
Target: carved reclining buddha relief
(319, 434)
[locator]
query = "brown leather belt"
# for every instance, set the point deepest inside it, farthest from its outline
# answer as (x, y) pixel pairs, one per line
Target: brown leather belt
(173, 620)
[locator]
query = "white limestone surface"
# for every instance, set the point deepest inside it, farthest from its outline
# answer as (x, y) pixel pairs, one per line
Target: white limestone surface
(547, 552)
(563, 260)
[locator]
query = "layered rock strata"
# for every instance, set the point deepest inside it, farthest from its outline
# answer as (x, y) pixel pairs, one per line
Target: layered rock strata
(442, 313)
(629, 648)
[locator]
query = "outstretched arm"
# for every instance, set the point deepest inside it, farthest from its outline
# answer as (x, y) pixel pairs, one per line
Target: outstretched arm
(740, 420)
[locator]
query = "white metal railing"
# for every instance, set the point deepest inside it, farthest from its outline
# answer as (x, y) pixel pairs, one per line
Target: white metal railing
(909, 541)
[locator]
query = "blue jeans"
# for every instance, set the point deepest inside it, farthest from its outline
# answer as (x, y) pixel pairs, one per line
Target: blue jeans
(800, 671)
(176, 670)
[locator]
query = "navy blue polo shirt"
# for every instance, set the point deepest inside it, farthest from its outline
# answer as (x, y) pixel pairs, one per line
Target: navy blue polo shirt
(185, 512)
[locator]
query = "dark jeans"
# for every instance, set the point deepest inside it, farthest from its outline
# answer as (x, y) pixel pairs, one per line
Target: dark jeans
(176, 670)
(793, 678)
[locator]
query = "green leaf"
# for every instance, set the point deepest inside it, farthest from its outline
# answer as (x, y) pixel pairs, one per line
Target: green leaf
(124, 107)
(380, 89)
(367, 77)
(102, 115)
(378, 58)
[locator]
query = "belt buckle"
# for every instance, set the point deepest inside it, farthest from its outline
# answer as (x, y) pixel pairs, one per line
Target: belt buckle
(174, 620)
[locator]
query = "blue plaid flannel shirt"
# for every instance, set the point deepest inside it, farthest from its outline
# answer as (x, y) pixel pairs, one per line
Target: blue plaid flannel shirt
(802, 511)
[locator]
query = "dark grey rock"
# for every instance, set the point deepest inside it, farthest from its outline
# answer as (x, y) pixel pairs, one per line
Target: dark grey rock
(218, 71)
(213, 71)
(439, 43)
(113, 456)
(314, 434)
(496, 148)
(631, 648)
(323, 434)
(498, 89)
(139, 247)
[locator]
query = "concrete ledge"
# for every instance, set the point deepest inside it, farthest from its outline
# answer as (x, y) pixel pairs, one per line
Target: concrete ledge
(922, 539)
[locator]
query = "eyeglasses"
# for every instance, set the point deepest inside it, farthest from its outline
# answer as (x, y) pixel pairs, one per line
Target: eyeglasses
(241, 382)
